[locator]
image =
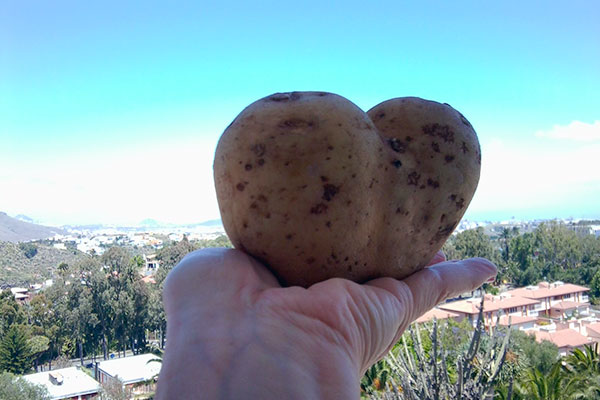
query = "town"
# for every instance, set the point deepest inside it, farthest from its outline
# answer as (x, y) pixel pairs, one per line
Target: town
(89, 348)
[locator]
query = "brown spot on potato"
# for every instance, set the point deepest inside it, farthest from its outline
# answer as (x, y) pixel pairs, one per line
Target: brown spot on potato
(444, 231)
(261, 162)
(397, 163)
(442, 131)
(435, 146)
(329, 191)
(324, 179)
(258, 149)
(432, 183)
(289, 236)
(460, 203)
(248, 167)
(443, 218)
(240, 186)
(319, 209)
(413, 178)
(464, 148)
(408, 139)
(397, 145)
(330, 147)
(296, 123)
(449, 158)
(310, 260)
(328, 224)
(262, 198)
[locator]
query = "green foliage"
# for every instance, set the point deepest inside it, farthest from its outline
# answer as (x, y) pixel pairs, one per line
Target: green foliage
(541, 356)
(10, 311)
(420, 373)
(16, 388)
(29, 249)
(114, 389)
(16, 269)
(375, 378)
(15, 351)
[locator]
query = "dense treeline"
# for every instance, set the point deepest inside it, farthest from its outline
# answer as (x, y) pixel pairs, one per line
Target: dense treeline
(551, 252)
(96, 306)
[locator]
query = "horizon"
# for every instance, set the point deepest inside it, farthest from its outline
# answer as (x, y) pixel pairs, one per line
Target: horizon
(111, 113)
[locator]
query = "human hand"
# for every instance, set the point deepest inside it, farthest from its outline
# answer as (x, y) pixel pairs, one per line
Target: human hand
(234, 332)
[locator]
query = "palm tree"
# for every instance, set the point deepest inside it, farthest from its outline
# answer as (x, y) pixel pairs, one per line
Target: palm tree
(583, 361)
(583, 367)
(553, 386)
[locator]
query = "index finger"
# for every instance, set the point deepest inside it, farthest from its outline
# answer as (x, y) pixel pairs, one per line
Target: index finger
(431, 286)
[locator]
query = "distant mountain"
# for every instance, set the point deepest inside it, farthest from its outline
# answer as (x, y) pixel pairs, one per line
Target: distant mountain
(25, 218)
(150, 223)
(15, 230)
(212, 222)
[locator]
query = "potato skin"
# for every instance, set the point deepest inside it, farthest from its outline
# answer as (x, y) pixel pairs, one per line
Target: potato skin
(316, 188)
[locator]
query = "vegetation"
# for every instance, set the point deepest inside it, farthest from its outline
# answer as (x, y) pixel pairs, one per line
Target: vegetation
(26, 263)
(551, 252)
(99, 305)
(96, 306)
(15, 388)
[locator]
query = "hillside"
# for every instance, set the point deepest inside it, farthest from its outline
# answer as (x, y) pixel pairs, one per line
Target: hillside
(15, 230)
(17, 269)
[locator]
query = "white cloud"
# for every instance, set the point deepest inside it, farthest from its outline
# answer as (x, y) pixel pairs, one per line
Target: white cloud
(576, 130)
(536, 177)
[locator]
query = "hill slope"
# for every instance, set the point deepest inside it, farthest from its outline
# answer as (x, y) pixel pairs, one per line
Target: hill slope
(17, 269)
(15, 230)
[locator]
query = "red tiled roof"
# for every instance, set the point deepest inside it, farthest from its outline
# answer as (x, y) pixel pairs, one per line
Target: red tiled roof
(541, 293)
(595, 328)
(516, 319)
(562, 338)
(437, 314)
(568, 305)
(471, 306)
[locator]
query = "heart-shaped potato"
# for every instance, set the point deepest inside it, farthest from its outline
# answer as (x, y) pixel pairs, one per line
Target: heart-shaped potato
(316, 188)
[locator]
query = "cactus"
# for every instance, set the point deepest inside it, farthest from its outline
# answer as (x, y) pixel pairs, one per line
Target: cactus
(417, 374)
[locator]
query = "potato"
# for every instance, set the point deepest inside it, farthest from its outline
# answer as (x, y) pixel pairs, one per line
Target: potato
(316, 188)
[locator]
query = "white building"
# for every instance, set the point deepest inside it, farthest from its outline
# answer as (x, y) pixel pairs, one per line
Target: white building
(66, 383)
(136, 372)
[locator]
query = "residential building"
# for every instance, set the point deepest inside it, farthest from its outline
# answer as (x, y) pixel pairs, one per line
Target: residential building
(493, 307)
(66, 383)
(136, 372)
(439, 315)
(551, 294)
(565, 339)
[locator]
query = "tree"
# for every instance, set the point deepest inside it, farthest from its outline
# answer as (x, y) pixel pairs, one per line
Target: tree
(541, 356)
(15, 388)
(37, 346)
(551, 386)
(28, 249)
(15, 351)
(114, 389)
(11, 312)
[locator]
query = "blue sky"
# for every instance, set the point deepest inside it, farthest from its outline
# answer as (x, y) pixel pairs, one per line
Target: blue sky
(111, 112)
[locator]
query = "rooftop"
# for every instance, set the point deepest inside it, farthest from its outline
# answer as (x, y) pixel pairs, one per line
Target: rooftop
(491, 304)
(132, 369)
(74, 382)
(562, 338)
(437, 314)
(545, 289)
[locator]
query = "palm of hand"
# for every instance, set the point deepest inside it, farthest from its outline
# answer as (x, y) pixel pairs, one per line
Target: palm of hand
(236, 299)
